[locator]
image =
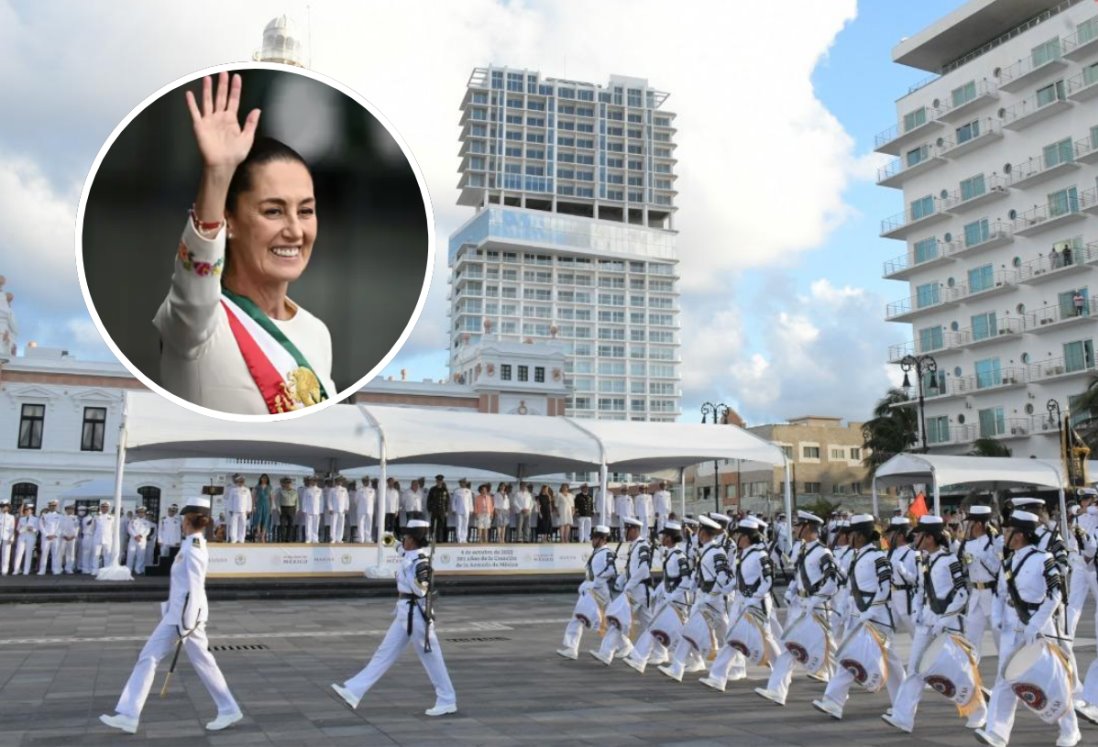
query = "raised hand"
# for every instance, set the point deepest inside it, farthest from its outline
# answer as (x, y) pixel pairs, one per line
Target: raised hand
(222, 142)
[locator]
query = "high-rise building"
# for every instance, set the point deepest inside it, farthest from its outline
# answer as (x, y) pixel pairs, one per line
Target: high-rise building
(572, 240)
(995, 156)
(282, 43)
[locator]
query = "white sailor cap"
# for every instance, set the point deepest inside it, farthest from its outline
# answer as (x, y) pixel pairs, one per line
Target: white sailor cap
(632, 522)
(930, 523)
(1026, 501)
(692, 522)
(1024, 520)
(671, 526)
(418, 524)
(601, 529)
(899, 521)
(198, 505)
(1086, 493)
(141, 509)
(979, 511)
(720, 518)
(706, 523)
(238, 477)
(844, 525)
(1074, 510)
(749, 522)
(861, 519)
(805, 517)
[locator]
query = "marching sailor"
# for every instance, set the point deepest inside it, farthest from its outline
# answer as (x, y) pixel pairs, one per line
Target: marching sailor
(672, 603)
(754, 580)
(841, 608)
(1029, 592)
(601, 572)
(637, 592)
(413, 625)
(183, 625)
(980, 556)
(938, 606)
(708, 621)
(1081, 546)
(815, 581)
(870, 582)
(904, 574)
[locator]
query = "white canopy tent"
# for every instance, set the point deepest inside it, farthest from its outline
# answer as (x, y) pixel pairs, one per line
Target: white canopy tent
(101, 487)
(353, 436)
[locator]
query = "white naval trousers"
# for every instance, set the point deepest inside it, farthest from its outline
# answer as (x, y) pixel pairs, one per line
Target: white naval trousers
(68, 555)
(395, 641)
(312, 528)
(365, 527)
(100, 551)
(716, 621)
(337, 520)
(978, 617)
(238, 526)
(24, 553)
(616, 642)
(49, 548)
(5, 557)
(87, 554)
(730, 663)
(838, 688)
(135, 557)
(161, 644)
(584, 525)
(462, 530)
(1003, 703)
(911, 689)
(1084, 581)
(782, 672)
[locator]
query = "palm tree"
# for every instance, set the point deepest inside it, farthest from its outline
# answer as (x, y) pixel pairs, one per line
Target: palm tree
(989, 447)
(1086, 409)
(892, 430)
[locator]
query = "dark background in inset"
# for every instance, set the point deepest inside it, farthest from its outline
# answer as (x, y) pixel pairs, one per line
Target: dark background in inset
(368, 264)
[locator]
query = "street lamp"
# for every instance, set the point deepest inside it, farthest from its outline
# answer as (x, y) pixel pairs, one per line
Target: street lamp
(719, 410)
(921, 364)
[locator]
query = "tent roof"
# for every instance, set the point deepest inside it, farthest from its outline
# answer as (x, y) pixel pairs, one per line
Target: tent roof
(998, 472)
(102, 487)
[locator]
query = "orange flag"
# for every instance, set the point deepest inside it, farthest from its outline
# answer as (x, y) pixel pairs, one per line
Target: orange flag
(918, 508)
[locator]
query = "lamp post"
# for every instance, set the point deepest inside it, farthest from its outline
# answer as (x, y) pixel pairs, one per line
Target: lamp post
(718, 410)
(921, 364)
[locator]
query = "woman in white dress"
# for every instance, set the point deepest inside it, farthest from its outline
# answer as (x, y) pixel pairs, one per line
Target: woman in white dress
(566, 507)
(231, 338)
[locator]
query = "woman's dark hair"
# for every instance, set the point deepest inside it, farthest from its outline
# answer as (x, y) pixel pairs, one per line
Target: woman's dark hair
(264, 150)
(262, 478)
(200, 521)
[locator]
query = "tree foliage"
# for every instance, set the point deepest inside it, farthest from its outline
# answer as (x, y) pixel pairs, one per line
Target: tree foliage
(892, 430)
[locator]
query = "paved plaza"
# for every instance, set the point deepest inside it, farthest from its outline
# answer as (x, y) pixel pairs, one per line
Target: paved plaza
(61, 665)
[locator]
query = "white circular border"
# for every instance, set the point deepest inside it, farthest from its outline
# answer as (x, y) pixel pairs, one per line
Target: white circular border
(243, 67)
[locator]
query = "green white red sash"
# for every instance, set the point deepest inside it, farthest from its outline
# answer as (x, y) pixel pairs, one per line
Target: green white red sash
(284, 378)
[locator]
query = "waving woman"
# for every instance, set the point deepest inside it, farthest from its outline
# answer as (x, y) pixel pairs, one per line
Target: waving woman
(231, 338)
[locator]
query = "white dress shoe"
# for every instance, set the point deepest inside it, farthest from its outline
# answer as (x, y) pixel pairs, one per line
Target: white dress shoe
(640, 666)
(568, 653)
(888, 718)
(831, 709)
(607, 660)
(990, 739)
(1070, 740)
(120, 722)
(671, 671)
(224, 721)
(346, 696)
(442, 710)
(1087, 711)
(713, 683)
(770, 695)
(695, 666)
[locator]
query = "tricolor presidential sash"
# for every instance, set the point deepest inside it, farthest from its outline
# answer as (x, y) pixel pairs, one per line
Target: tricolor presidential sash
(285, 379)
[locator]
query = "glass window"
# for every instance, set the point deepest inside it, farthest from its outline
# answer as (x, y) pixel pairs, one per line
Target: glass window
(1057, 153)
(1046, 52)
(966, 132)
(31, 422)
(1078, 355)
(937, 429)
(812, 487)
(974, 186)
(916, 156)
(926, 249)
(1051, 92)
(988, 373)
(992, 422)
(983, 326)
(856, 453)
(922, 207)
(981, 278)
(1063, 202)
(977, 232)
(926, 295)
(914, 119)
(1067, 302)
(810, 452)
(963, 94)
(930, 338)
(505, 372)
(838, 454)
(95, 422)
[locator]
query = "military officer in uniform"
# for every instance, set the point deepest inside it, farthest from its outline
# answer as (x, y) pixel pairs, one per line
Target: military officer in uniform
(980, 556)
(49, 539)
(585, 511)
(70, 531)
(635, 586)
(438, 506)
(1029, 593)
(870, 586)
(815, 581)
(412, 626)
(26, 530)
(238, 502)
(103, 540)
(365, 502)
(339, 502)
(938, 608)
(138, 530)
(285, 504)
(183, 624)
(87, 541)
(170, 536)
(674, 595)
(312, 504)
(7, 537)
(661, 501)
(601, 572)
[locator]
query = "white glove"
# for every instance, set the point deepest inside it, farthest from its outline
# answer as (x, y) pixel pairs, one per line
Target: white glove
(1031, 634)
(938, 627)
(789, 596)
(864, 617)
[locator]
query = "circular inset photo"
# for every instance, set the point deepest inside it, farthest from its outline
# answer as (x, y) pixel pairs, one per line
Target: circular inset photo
(255, 242)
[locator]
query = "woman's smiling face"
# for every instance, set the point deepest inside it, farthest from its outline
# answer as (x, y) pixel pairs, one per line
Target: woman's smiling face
(273, 225)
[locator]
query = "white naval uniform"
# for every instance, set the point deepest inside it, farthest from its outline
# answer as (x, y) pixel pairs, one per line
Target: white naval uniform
(840, 603)
(49, 526)
(411, 501)
(673, 592)
(815, 581)
(170, 534)
(870, 585)
(87, 543)
(200, 360)
(642, 507)
(981, 559)
(754, 580)
(238, 502)
(364, 501)
(661, 504)
(184, 615)
(26, 530)
(1084, 573)
(138, 531)
(601, 571)
(339, 502)
(904, 583)
(713, 579)
(409, 628)
(523, 506)
(70, 531)
(623, 509)
(312, 503)
(638, 570)
(938, 608)
(461, 505)
(1037, 580)
(7, 539)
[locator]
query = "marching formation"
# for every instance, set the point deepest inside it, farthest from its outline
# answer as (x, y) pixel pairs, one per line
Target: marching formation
(852, 591)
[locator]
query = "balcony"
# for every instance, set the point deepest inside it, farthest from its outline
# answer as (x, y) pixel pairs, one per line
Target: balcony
(998, 234)
(1004, 378)
(1034, 109)
(902, 224)
(1059, 316)
(895, 139)
(902, 267)
(995, 187)
(1025, 72)
(1055, 369)
(1017, 428)
(911, 164)
(1037, 169)
(1087, 148)
(1044, 217)
(909, 308)
(955, 435)
(955, 111)
(1052, 266)
(990, 131)
(912, 347)
(1005, 328)
(1084, 86)
(1089, 201)
(1083, 42)
(1001, 282)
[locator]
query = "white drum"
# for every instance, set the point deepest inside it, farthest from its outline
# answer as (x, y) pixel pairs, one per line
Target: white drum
(863, 655)
(807, 639)
(748, 635)
(619, 613)
(588, 611)
(667, 627)
(1039, 676)
(698, 631)
(948, 667)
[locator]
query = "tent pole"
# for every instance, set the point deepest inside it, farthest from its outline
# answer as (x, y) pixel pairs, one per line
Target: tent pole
(876, 501)
(1063, 514)
(381, 497)
(682, 494)
(115, 571)
(937, 496)
(604, 497)
(788, 494)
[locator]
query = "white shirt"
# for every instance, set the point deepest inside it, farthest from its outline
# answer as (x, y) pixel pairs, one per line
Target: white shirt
(662, 500)
(200, 360)
(49, 524)
(642, 504)
(524, 501)
(411, 500)
(104, 529)
(312, 500)
(392, 500)
(364, 501)
(461, 501)
(338, 500)
(500, 502)
(139, 530)
(238, 500)
(7, 527)
(70, 526)
(171, 531)
(623, 506)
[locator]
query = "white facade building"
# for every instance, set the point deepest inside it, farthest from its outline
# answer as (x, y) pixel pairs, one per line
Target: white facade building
(997, 157)
(572, 240)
